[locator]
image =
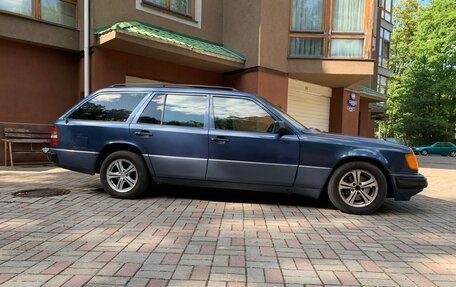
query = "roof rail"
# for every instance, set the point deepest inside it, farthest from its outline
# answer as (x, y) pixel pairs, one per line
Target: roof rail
(172, 86)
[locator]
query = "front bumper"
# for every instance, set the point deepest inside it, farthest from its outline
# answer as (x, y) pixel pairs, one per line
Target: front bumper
(406, 186)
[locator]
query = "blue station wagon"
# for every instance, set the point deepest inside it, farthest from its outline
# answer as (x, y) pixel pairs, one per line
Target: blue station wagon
(223, 138)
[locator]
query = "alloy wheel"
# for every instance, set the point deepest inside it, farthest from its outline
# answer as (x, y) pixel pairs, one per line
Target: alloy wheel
(358, 188)
(122, 175)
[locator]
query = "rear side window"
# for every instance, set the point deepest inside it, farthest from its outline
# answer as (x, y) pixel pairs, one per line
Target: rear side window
(180, 110)
(112, 107)
(152, 114)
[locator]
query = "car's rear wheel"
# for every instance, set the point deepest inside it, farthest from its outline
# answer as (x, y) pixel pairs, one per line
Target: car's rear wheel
(357, 188)
(124, 174)
(424, 152)
(453, 153)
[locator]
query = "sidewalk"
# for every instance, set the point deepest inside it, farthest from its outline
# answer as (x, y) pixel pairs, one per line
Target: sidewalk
(207, 237)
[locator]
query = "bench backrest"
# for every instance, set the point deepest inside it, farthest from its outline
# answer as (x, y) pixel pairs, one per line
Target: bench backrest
(26, 133)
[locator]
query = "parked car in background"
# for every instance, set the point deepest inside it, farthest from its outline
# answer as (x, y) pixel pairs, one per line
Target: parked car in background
(223, 138)
(394, 140)
(441, 148)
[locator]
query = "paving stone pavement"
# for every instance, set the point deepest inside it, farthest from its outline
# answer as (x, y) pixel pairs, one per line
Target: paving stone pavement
(206, 237)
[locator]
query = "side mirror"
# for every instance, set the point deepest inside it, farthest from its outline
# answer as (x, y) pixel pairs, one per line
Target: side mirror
(280, 128)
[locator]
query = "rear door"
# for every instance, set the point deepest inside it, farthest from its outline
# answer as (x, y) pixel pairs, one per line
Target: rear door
(173, 129)
(242, 147)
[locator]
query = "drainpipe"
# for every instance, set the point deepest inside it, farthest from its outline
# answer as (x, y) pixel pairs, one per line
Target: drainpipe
(86, 49)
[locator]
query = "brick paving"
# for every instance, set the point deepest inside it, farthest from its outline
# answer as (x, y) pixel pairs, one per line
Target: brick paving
(205, 237)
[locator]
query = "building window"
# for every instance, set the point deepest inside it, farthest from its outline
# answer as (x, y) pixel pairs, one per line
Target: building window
(23, 7)
(307, 15)
(59, 11)
(384, 48)
(308, 47)
(348, 16)
(63, 12)
(346, 48)
(183, 7)
(382, 84)
(328, 28)
(387, 10)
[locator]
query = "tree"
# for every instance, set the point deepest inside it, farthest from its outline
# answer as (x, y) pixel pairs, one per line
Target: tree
(422, 100)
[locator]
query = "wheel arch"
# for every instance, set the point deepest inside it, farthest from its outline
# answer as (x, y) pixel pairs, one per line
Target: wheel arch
(113, 147)
(374, 161)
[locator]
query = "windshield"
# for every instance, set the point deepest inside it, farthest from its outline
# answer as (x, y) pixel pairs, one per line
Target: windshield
(285, 115)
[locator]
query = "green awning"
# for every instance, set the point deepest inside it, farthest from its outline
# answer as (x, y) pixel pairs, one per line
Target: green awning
(368, 91)
(174, 38)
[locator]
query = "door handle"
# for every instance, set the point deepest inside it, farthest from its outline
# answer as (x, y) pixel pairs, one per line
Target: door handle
(220, 139)
(143, 133)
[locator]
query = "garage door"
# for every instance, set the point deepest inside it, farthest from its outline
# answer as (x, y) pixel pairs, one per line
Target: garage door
(309, 104)
(137, 80)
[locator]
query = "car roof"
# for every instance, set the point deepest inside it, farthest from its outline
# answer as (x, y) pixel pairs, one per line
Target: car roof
(174, 88)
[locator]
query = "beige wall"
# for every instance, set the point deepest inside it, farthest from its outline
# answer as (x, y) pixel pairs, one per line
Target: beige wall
(109, 12)
(275, 17)
(241, 28)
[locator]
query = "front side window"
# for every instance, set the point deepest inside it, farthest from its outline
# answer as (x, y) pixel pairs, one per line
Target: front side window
(59, 11)
(23, 7)
(179, 6)
(185, 110)
(112, 107)
(241, 115)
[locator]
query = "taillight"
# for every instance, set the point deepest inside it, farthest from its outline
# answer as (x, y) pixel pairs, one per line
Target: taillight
(54, 137)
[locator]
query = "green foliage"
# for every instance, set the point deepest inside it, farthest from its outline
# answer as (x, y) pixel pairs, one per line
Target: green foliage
(422, 88)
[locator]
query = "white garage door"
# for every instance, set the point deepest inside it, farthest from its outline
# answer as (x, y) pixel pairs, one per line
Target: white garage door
(309, 104)
(137, 80)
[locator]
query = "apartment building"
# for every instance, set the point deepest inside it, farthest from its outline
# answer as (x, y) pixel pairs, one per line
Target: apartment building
(324, 61)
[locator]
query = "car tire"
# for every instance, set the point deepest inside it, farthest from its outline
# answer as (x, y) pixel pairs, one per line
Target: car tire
(124, 174)
(348, 194)
(424, 152)
(452, 153)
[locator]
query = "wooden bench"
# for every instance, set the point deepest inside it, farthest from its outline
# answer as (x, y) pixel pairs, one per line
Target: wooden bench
(25, 141)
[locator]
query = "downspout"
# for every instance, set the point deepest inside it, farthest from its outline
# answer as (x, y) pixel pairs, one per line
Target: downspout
(86, 49)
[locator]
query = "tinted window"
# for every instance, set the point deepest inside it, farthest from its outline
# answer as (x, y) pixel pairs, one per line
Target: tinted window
(153, 112)
(241, 115)
(187, 111)
(443, 145)
(108, 107)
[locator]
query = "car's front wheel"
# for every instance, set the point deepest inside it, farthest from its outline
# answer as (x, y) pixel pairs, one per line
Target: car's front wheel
(424, 152)
(358, 188)
(124, 175)
(453, 153)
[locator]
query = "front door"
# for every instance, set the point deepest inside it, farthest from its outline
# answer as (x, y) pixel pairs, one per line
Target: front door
(242, 147)
(172, 128)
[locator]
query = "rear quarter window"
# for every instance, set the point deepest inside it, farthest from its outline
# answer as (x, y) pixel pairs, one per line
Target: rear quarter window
(113, 107)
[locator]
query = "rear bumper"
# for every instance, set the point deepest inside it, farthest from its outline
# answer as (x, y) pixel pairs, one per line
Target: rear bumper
(406, 186)
(81, 161)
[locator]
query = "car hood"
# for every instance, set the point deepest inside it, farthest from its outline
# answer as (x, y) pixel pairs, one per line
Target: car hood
(356, 141)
